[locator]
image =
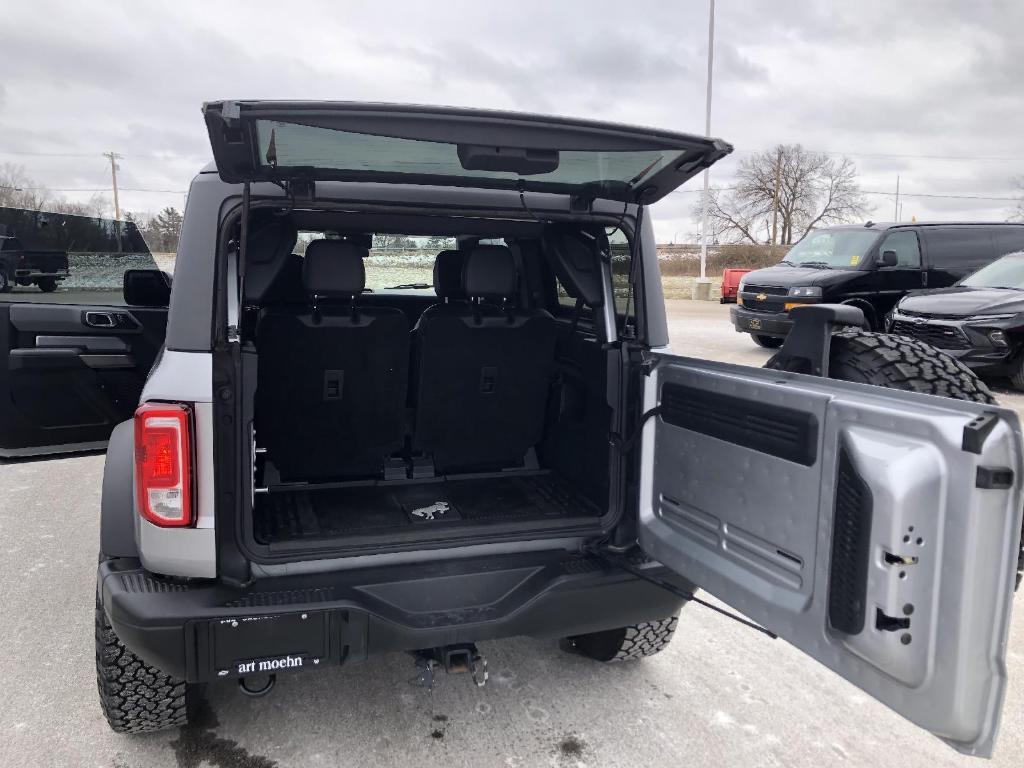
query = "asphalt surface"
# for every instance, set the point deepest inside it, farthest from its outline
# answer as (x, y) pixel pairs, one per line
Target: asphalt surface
(720, 694)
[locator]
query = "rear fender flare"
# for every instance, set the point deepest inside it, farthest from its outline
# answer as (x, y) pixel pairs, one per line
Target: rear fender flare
(117, 507)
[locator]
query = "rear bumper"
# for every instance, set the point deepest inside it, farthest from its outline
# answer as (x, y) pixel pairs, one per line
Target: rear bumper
(761, 323)
(204, 631)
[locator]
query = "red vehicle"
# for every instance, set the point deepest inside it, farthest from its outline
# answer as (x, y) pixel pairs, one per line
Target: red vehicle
(731, 284)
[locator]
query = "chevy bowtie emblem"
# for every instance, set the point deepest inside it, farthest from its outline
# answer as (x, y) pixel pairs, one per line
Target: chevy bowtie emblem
(761, 296)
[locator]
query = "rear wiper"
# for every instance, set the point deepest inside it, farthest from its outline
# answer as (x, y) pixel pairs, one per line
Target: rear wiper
(408, 287)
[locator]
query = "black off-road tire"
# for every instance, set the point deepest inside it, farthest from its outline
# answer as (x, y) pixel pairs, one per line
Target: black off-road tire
(47, 284)
(900, 362)
(136, 697)
(768, 342)
(625, 643)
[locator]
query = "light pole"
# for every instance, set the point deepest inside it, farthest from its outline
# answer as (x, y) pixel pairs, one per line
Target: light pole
(707, 132)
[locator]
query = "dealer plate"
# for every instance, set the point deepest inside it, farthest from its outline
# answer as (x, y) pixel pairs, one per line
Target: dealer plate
(269, 644)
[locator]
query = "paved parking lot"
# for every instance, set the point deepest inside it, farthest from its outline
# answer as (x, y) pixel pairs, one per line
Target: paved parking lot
(720, 695)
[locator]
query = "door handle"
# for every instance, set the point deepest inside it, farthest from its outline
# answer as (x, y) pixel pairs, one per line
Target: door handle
(100, 319)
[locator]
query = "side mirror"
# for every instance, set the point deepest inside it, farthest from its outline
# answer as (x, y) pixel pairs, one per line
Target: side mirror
(889, 259)
(147, 288)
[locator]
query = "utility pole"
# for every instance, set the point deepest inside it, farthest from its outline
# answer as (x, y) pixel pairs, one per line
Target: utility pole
(707, 132)
(775, 197)
(114, 157)
(897, 207)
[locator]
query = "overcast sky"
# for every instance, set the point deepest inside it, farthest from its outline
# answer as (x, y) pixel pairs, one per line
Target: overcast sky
(931, 90)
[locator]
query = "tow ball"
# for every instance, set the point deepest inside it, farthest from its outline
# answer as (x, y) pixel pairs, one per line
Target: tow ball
(453, 659)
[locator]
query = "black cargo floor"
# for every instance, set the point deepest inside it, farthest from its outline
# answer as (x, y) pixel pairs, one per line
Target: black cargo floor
(331, 512)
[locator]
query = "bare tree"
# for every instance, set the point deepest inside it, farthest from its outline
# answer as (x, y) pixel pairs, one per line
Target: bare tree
(17, 190)
(802, 189)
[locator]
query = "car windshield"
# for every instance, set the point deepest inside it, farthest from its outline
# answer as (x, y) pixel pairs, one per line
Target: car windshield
(832, 249)
(1007, 272)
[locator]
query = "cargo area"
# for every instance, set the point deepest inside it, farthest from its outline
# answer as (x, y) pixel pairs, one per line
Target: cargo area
(438, 393)
(443, 503)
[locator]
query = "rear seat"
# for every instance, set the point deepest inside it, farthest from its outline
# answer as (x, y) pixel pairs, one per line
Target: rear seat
(484, 369)
(332, 380)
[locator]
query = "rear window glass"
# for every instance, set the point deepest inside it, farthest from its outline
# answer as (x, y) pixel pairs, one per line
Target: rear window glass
(960, 247)
(63, 258)
(1008, 240)
(289, 145)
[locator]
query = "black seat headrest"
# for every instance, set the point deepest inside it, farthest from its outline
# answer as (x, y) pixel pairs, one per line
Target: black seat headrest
(489, 273)
(448, 275)
(334, 269)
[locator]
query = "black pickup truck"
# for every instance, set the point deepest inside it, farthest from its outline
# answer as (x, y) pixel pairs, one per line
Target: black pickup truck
(23, 267)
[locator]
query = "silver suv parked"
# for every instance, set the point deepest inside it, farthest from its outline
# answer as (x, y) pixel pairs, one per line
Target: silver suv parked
(332, 459)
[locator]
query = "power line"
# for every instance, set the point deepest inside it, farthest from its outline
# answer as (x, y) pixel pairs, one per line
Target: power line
(98, 189)
(950, 197)
(898, 156)
(46, 154)
(875, 192)
(150, 155)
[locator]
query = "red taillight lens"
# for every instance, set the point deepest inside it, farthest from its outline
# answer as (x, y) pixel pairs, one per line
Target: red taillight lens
(163, 463)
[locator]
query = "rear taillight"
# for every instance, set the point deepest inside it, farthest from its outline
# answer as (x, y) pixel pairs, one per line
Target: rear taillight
(163, 463)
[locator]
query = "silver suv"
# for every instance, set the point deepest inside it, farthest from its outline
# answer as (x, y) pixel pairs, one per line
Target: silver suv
(334, 457)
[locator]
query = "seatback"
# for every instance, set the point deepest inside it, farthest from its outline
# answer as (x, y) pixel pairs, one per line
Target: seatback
(332, 379)
(484, 371)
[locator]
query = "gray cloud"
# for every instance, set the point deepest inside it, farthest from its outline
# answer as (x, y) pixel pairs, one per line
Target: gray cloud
(919, 77)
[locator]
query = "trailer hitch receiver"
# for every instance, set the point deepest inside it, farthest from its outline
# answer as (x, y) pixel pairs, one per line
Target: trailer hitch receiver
(454, 659)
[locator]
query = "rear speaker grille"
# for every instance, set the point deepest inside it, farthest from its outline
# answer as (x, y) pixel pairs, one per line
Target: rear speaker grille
(772, 429)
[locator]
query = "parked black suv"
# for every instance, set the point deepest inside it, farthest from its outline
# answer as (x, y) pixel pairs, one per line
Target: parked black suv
(980, 321)
(870, 266)
(318, 472)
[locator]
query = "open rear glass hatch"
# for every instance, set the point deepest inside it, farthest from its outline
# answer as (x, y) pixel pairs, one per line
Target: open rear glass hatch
(290, 141)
